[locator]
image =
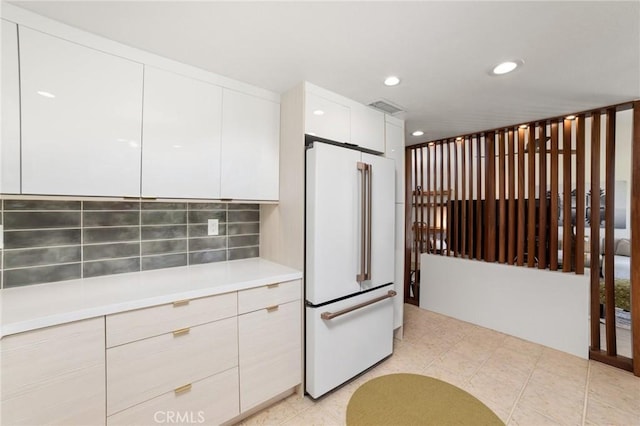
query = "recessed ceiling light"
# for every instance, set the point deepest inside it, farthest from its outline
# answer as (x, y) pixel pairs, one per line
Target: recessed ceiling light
(570, 117)
(523, 126)
(45, 94)
(418, 133)
(392, 80)
(506, 67)
(458, 139)
(318, 112)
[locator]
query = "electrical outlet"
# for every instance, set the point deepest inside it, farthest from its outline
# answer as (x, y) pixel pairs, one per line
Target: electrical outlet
(212, 227)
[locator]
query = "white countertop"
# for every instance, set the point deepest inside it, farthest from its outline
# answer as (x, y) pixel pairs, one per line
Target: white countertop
(36, 306)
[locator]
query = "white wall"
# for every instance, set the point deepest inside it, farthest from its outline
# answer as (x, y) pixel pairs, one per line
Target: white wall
(549, 308)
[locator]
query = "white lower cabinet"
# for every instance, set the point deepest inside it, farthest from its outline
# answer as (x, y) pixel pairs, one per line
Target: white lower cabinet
(211, 401)
(54, 375)
(270, 352)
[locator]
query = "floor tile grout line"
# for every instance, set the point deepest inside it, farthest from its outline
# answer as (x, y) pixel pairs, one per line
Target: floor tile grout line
(586, 394)
(524, 386)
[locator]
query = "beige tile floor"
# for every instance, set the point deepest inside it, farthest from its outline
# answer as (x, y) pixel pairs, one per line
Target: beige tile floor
(524, 383)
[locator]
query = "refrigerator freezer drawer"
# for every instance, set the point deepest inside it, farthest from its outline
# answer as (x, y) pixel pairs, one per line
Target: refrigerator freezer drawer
(344, 346)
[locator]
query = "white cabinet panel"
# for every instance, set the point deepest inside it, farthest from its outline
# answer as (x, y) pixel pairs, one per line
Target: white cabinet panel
(210, 401)
(139, 371)
(81, 119)
(54, 375)
(382, 221)
(395, 150)
(181, 138)
(367, 127)
(398, 301)
(270, 353)
(269, 295)
(10, 93)
(327, 119)
(250, 147)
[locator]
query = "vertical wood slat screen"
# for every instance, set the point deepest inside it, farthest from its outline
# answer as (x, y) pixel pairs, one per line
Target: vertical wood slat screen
(542, 185)
(531, 206)
(609, 201)
(511, 250)
(518, 195)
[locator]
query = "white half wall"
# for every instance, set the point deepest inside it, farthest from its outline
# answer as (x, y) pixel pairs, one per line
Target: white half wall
(549, 308)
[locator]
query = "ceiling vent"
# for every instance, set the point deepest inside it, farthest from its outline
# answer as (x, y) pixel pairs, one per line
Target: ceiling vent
(386, 106)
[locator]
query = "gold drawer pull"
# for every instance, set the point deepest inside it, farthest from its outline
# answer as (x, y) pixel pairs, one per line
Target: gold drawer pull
(182, 389)
(178, 303)
(181, 332)
(276, 285)
(272, 308)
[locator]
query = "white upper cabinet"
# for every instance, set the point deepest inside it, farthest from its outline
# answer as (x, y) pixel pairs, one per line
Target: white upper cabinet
(367, 128)
(81, 119)
(181, 136)
(327, 119)
(394, 135)
(250, 147)
(10, 144)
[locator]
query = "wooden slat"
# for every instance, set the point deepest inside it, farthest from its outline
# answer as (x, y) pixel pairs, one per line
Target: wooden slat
(429, 208)
(609, 209)
(448, 199)
(553, 202)
(490, 196)
(441, 198)
(635, 240)
(463, 218)
(421, 206)
(432, 192)
(511, 249)
(580, 193)
(521, 197)
(567, 256)
(502, 205)
(621, 362)
(542, 185)
(594, 219)
(479, 222)
(455, 228)
(531, 196)
(410, 274)
(471, 219)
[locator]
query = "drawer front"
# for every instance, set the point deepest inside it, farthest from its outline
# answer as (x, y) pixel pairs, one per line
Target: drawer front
(270, 353)
(269, 295)
(130, 326)
(145, 369)
(210, 401)
(59, 370)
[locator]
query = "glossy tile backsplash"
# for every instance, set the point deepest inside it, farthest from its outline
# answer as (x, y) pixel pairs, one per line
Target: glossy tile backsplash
(55, 240)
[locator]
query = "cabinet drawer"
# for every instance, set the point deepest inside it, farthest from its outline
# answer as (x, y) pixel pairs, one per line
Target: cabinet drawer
(269, 295)
(145, 369)
(59, 370)
(129, 326)
(270, 353)
(210, 401)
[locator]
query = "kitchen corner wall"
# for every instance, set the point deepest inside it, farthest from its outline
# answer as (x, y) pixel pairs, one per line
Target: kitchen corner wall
(57, 240)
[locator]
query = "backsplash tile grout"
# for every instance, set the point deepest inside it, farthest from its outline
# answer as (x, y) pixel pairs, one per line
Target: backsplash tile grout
(54, 240)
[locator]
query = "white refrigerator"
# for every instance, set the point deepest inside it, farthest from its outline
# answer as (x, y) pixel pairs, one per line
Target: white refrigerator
(350, 226)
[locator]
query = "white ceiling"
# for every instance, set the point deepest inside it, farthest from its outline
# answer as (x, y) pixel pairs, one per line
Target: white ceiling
(578, 55)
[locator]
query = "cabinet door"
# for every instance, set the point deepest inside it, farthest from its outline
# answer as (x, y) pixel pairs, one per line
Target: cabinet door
(54, 375)
(181, 137)
(382, 221)
(270, 352)
(250, 147)
(394, 146)
(10, 93)
(367, 127)
(327, 119)
(81, 119)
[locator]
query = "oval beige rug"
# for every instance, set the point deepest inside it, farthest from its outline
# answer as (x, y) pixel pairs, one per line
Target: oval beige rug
(412, 399)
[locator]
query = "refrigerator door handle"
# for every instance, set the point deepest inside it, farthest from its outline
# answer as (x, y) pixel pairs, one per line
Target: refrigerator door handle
(362, 275)
(332, 315)
(369, 210)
